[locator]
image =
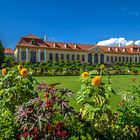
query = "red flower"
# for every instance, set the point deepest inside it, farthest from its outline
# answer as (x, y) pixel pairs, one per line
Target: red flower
(62, 134)
(50, 127)
(24, 135)
(59, 125)
(133, 79)
(49, 104)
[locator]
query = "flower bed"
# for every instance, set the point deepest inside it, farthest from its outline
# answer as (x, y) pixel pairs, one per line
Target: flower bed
(30, 110)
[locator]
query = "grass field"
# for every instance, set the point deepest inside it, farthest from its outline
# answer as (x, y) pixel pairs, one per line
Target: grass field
(119, 83)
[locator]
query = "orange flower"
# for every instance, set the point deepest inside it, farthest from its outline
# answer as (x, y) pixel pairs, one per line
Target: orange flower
(96, 81)
(24, 72)
(3, 71)
(133, 79)
(85, 75)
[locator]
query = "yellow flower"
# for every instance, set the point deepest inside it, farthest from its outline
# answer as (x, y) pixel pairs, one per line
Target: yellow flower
(19, 67)
(96, 81)
(3, 71)
(24, 72)
(85, 75)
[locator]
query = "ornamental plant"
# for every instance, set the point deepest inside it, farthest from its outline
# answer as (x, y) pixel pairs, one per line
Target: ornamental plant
(15, 89)
(94, 100)
(101, 120)
(46, 117)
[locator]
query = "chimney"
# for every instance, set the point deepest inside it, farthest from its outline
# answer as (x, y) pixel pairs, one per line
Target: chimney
(45, 37)
(119, 44)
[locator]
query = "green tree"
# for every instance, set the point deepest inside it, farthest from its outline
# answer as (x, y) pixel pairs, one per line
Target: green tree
(1, 53)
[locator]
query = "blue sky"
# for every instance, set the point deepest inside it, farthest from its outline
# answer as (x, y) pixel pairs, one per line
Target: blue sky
(79, 21)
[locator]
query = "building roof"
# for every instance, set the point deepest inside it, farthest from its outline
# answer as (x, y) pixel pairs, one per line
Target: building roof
(32, 36)
(131, 49)
(36, 42)
(8, 51)
(26, 41)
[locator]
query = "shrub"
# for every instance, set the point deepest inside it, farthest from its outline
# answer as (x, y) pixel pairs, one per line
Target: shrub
(46, 117)
(16, 87)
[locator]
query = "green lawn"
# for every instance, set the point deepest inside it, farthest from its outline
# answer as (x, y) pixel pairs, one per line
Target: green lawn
(119, 83)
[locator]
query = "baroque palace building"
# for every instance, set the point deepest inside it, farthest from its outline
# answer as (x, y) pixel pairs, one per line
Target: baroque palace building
(31, 48)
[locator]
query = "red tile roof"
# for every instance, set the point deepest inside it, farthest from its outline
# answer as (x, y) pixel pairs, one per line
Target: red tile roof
(26, 41)
(32, 36)
(132, 49)
(8, 51)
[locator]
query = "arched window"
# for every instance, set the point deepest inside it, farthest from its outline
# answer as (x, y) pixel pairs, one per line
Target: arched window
(130, 59)
(89, 58)
(96, 58)
(102, 58)
(33, 42)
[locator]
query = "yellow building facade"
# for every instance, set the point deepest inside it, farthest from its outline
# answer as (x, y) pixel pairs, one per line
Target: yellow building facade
(31, 48)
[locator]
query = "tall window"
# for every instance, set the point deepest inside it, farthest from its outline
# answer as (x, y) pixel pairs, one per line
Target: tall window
(102, 58)
(23, 55)
(119, 59)
(41, 55)
(78, 57)
(126, 59)
(111, 58)
(107, 58)
(56, 57)
(136, 59)
(96, 58)
(130, 59)
(73, 57)
(62, 56)
(51, 56)
(67, 57)
(83, 57)
(89, 58)
(115, 58)
(123, 59)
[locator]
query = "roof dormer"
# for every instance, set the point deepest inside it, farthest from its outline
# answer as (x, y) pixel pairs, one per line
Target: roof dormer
(116, 49)
(55, 44)
(109, 49)
(124, 50)
(131, 49)
(66, 45)
(75, 46)
(32, 42)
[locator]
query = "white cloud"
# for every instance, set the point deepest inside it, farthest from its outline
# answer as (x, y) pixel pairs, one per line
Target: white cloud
(118, 41)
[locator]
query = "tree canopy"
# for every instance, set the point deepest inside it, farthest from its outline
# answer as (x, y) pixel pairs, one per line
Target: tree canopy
(1, 53)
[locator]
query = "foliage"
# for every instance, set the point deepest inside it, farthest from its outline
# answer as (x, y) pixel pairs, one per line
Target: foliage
(1, 53)
(104, 122)
(48, 116)
(14, 90)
